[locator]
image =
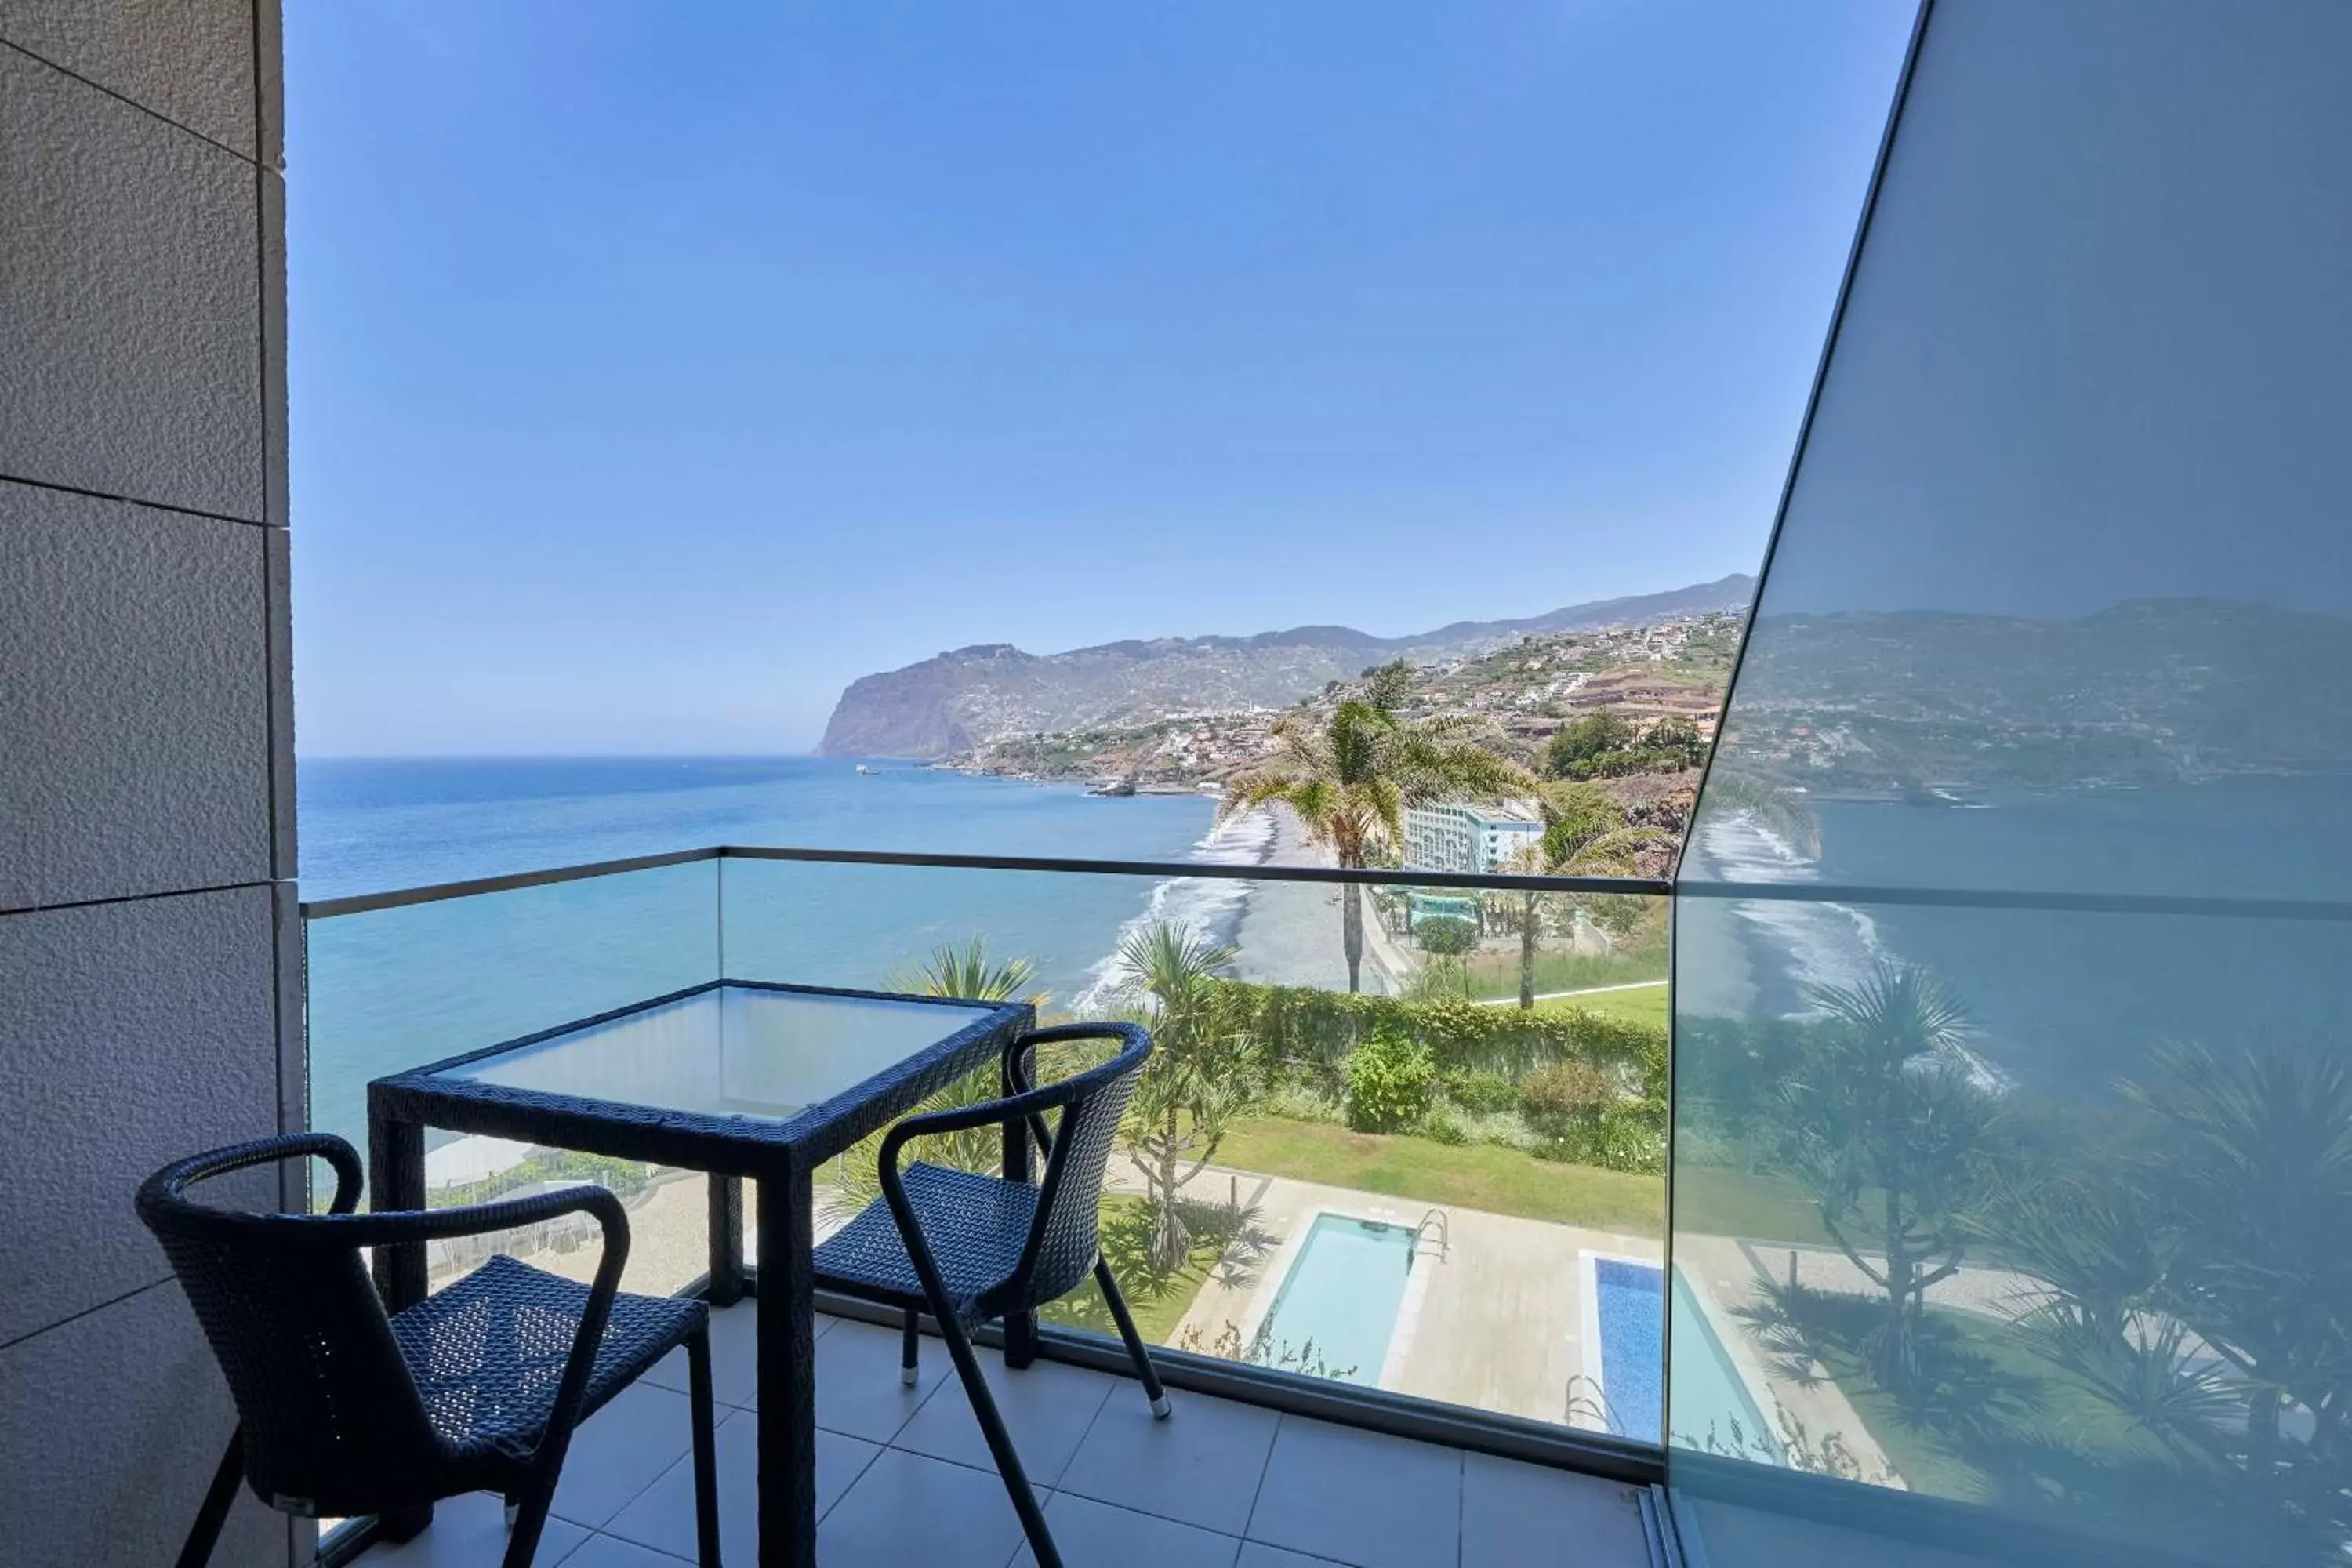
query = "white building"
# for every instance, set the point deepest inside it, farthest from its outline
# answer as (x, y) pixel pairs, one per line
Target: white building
(1450, 837)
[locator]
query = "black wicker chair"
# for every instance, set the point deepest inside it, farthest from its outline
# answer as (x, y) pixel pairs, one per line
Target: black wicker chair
(345, 1411)
(967, 1248)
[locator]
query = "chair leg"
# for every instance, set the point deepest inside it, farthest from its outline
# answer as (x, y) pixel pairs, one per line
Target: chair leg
(706, 1448)
(1000, 1444)
(205, 1532)
(910, 1339)
(1142, 1358)
(527, 1510)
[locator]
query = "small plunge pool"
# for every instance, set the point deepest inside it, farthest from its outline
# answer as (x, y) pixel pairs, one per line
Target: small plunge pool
(1341, 1298)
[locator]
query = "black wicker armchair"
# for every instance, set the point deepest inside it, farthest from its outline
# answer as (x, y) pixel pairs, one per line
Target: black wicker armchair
(967, 1248)
(345, 1411)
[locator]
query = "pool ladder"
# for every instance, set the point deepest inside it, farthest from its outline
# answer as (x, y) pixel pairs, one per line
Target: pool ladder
(1445, 1236)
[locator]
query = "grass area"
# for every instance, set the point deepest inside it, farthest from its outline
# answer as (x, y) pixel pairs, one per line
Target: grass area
(1497, 973)
(1158, 1301)
(1647, 1006)
(1713, 1200)
(1478, 1176)
(1996, 1423)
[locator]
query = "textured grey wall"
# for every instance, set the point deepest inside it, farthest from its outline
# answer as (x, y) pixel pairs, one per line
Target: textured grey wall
(149, 953)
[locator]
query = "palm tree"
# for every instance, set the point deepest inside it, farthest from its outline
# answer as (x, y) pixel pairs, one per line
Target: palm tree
(1350, 780)
(965, 972)
(1585, 835)
(1191, 1087)
(1888, 1129)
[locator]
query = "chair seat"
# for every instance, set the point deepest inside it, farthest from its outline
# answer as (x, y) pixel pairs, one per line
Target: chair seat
(976, 1226)
(488, 1352)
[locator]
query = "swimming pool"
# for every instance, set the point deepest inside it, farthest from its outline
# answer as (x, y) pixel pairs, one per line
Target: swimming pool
(1341, 1296)
(1712, 1406)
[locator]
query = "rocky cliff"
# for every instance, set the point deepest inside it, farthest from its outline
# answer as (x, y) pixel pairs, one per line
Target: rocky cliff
(957, 700)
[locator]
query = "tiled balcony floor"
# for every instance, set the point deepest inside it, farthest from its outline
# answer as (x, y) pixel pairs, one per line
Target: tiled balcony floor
(903, 1481)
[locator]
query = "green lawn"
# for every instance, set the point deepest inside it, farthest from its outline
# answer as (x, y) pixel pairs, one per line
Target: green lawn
(1158, 1303)
(2004, 1425)
(1647, 1006)
(1478, 1176)
(1714, 1201)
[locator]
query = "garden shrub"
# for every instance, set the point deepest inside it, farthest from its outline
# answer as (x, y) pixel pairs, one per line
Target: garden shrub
(1478, 1092)
(1441, 1123)
(1309, 1030)
(1556, 1097)
(1388, 1078)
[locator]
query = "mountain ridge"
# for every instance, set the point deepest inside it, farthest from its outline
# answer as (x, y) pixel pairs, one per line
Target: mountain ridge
(972, 695)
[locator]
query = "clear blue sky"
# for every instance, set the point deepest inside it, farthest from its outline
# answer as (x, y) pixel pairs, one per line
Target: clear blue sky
(658, 369)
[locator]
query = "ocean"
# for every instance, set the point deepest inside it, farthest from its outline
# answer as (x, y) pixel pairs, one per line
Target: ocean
(2067, 1003)
(398, 987)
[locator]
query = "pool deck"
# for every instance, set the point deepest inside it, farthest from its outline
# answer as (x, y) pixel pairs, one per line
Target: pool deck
(1499, 1324)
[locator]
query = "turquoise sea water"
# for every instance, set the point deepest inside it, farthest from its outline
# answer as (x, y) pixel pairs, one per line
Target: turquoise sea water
(394, 988)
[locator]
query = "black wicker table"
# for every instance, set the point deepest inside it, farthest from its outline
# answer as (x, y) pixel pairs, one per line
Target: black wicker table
(736, 1078)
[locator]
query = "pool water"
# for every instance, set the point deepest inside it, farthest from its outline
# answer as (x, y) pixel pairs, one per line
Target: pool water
(1340, 1297)
(1712, 1407)
(1633, 1346)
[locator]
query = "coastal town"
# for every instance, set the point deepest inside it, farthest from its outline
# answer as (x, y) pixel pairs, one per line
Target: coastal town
(1530, 689)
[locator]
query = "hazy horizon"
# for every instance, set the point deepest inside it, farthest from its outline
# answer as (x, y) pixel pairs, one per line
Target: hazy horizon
(651, 381)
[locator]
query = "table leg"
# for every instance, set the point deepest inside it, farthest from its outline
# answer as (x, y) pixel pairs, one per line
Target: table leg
(787, 1341)
(726, 1240)
(1019, 1328)
(396, 1181)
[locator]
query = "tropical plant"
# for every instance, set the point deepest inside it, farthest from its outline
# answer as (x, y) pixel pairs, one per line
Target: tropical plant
(2220, 1236)
(1881, 1120)
(1351, 779)
(964, 972)
(1389, 1080)
(1195, 1081)
(1585, 835)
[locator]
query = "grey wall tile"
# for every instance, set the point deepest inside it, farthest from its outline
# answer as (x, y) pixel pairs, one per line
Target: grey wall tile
(280, 633)
(190, 61)
(131, 343)
(116, 1420)
(134, 693)
(133, 1032)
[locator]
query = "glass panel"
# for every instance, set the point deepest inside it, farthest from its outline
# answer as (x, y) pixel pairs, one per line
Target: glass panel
(2013, 1130)
(1423, 1188)
(729, 1052)
(396, 988)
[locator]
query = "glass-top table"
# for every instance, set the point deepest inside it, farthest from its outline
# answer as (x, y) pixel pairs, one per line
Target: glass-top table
(737, 1078)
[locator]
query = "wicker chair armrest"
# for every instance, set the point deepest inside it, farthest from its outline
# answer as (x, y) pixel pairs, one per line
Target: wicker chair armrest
(1017, 1053)
(172, 1181)
(1017, 1056)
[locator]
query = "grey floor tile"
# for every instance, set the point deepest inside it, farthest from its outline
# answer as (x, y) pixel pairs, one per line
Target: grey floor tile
(618, 1451)
(1047, 1406)
(1514, 1513)
(857, 1386)
(908, 1509)
(734, 1357)
(1258, 1554)
(470, 1532)
(1090, 1534)
(663, 1514)
(1199, 1467)
(604, 1551)
(1360, 1497)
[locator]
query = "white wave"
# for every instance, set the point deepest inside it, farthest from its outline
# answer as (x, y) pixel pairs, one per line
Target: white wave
(1820, 943)
(1211, 906)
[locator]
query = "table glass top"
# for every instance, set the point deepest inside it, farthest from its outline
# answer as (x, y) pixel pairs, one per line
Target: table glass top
(731, 1051)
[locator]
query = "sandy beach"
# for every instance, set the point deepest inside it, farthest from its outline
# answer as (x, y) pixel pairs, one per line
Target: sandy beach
(1289, 931)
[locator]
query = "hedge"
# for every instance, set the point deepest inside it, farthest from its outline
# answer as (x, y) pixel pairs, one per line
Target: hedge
(1304, 1026)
